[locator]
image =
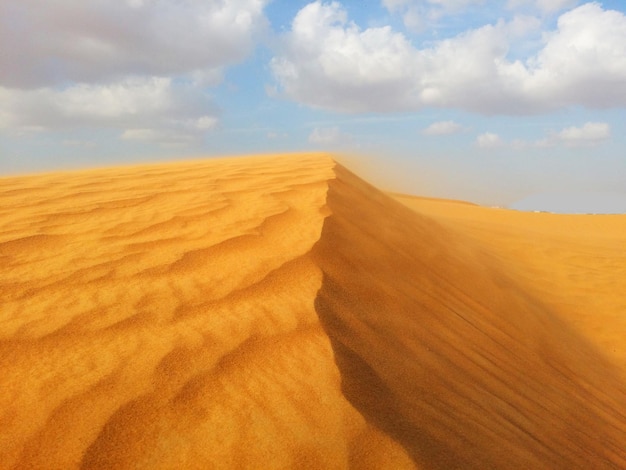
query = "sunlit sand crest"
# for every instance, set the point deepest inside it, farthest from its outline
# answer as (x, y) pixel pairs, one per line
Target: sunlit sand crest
(279, 312)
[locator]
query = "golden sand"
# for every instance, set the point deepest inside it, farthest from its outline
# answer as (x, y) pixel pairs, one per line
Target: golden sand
(575, 263)
(279, 312)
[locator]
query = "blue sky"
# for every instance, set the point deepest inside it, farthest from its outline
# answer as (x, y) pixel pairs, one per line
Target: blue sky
(488, 101)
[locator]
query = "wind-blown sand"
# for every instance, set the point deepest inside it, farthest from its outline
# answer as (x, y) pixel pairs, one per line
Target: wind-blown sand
(279, 312)
(575, 263)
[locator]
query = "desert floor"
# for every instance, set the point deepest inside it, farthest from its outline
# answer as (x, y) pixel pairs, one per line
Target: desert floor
(280, 312)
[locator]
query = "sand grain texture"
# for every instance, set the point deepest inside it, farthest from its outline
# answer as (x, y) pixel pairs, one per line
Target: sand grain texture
(279, 312)
(575, 263)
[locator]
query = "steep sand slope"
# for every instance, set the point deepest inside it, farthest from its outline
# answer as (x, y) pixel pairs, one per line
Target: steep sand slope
(163, 317)
(278, 312)
(575, 263)
(439, 347)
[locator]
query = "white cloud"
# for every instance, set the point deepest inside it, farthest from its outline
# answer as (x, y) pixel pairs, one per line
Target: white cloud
(117, 104)
(489, 140)
(54, 41)
(589, 134)
(153, 103)
(328, 136)
(583, 61)
(117, 100)
(123, 65)
(328, 62)
(442, 128)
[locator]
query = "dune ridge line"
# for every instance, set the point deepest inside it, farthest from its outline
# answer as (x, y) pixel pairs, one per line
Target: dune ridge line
(443, 354)
(279, 312)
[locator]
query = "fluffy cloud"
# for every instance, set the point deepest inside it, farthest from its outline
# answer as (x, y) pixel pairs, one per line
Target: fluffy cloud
(151, 102)
(442, 128)
(329, 62)
(589, 134)
(583, 61)
(50, 42)
(137, 66)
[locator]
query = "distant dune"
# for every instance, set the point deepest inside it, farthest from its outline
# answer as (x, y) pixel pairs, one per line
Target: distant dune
(280, 312)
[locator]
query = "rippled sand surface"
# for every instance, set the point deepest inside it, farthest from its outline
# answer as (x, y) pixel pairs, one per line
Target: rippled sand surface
(279, 312)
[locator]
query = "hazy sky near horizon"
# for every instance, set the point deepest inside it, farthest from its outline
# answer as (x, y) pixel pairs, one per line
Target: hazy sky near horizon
(489, 101)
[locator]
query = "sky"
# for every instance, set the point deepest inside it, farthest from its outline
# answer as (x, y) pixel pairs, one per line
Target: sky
(495, 102)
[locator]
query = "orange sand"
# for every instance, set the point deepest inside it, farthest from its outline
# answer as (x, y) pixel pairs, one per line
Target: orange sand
(575, 263)
(278, 312)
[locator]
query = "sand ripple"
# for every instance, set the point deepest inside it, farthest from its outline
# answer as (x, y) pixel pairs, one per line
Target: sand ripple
(278, 312)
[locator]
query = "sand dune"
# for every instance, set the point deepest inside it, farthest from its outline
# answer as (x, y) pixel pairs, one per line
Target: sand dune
(574, 263)
(279, 312)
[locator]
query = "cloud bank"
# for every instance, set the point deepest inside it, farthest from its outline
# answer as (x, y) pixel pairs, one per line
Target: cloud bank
(87, 41)
(329, 62)
(140, 66)
(588, 135)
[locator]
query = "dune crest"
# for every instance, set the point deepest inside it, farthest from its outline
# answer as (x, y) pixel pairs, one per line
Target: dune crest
(278, 312)
(446, 354)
